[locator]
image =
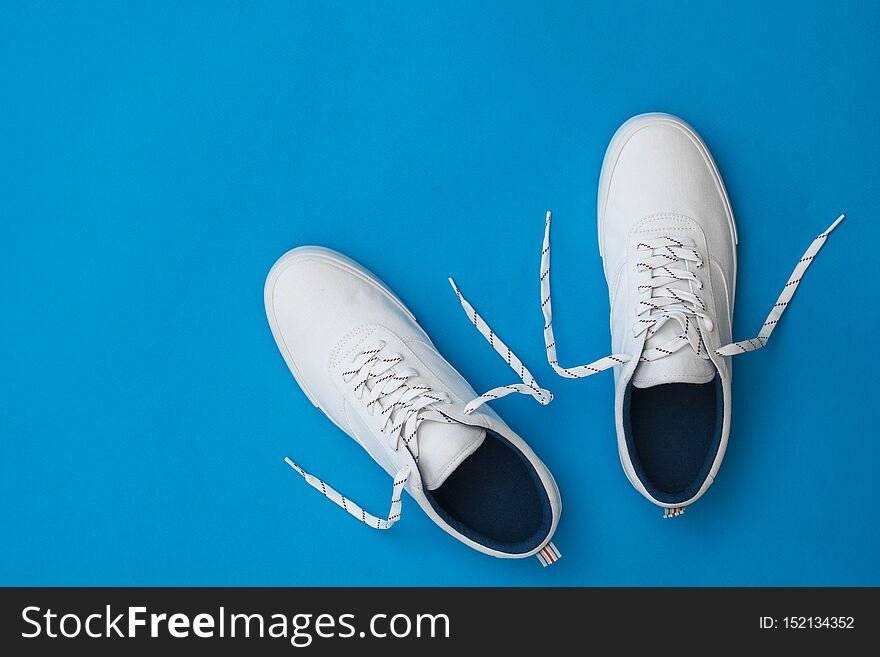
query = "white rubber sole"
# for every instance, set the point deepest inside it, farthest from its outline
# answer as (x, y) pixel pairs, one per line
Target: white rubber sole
(615, 147)
(338, 260)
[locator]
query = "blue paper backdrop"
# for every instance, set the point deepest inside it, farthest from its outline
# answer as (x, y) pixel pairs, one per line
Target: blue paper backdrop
(156, 158)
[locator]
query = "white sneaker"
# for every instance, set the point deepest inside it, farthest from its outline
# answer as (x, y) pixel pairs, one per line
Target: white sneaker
(360, 357)
(668, 242)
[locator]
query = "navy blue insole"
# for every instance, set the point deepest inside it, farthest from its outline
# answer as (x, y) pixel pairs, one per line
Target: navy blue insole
(496, 498)
(673, 430)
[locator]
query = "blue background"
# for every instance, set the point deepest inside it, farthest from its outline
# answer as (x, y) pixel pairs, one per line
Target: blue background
(156, 158)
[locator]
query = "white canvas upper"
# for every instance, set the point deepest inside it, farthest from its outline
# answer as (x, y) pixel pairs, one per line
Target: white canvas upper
(325, 310)
(658, 179)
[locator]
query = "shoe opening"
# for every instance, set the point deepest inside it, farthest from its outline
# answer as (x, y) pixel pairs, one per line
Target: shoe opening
(673, 432)
(496, 498)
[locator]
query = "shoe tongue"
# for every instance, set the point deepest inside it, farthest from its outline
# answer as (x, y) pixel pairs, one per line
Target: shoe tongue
(443, 447)
(682, 366)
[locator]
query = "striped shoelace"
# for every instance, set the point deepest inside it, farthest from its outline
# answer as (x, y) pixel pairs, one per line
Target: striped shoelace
(529, 385)
(399, 409)
(663, 297)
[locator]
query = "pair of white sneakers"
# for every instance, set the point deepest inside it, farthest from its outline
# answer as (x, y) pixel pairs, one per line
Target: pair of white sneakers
(668, 243)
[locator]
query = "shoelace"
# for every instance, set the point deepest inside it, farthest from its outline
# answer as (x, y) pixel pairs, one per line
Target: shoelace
(529, 385)
(399, 409)
(340, 500)
(659, 303)
(784, 298)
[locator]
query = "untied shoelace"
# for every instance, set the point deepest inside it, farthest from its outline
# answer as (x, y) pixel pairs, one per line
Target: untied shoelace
(659, 303)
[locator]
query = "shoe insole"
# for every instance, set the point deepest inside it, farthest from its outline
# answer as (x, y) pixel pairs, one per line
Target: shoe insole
(494, 497)
(673, 428)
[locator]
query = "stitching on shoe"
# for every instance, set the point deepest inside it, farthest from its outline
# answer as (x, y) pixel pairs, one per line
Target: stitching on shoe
(336, 356)
(686, 222)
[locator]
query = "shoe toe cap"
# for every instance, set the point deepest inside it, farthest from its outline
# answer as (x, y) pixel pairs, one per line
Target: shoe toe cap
(315, 298)
(663, 167)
